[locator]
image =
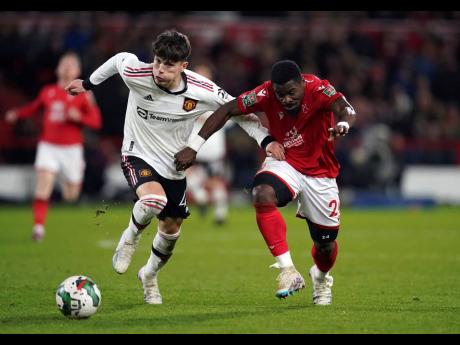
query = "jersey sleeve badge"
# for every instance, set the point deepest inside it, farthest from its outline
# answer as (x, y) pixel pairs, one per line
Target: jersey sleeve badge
(329, 91)
(249, 99)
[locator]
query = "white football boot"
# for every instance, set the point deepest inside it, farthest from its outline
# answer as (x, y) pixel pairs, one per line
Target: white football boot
(124, 253)
(322, 293)
(289, 281)
(151, 290)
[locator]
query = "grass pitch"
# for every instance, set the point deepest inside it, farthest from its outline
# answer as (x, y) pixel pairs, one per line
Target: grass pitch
(398, 271)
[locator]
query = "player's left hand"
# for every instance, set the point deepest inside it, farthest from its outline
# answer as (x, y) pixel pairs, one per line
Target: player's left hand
(275, 150)
(184, 158)
(338, 131)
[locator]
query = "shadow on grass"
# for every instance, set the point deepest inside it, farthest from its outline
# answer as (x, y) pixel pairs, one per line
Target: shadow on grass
(155, 319)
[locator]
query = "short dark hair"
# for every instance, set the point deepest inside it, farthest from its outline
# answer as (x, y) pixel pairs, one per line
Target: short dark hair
(172, 46)
(284, 71)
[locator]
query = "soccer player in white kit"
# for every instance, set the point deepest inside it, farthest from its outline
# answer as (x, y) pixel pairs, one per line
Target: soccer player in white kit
(206, 179)
(164, 100)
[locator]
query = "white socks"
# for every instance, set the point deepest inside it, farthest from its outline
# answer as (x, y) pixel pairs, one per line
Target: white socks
(220, 199)
(284, 260)
(162, 248)
(144, 210)
(317, 274)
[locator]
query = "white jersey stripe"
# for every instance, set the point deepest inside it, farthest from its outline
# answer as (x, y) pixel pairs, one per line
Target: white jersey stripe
(132, 172)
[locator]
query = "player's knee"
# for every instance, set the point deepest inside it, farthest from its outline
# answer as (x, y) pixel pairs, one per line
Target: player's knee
(325, 248)
(219, 194)
(150, 205)
(268, 188)
(263, 194)
(170, 225)
(71, 197)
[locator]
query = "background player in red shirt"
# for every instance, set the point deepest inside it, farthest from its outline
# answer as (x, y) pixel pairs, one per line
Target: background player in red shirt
(60, 148)
(300, 110)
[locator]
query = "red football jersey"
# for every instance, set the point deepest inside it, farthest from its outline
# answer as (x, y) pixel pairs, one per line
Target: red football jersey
(304, 136)
(57, 128)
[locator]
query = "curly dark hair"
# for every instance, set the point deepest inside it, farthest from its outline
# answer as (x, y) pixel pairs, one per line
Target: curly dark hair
(284, 71)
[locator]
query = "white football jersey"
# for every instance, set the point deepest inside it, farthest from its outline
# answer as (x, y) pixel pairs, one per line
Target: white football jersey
(158, 122)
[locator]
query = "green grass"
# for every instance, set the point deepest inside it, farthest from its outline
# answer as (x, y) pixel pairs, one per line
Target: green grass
(398, 271)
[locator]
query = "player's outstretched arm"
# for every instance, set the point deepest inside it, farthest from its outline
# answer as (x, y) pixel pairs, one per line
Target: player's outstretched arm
(186, 157)
(346, 116)
(112, 66)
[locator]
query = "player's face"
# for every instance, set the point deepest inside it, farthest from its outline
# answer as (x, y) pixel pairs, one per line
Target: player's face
(167, 73)
(290, 95)
(68, 68)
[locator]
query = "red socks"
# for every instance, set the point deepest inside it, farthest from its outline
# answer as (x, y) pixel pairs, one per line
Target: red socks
(273, 228)
(324, 262)
(40, 209)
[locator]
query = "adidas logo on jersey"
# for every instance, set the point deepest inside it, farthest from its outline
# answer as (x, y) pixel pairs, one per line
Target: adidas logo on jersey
(149, 98)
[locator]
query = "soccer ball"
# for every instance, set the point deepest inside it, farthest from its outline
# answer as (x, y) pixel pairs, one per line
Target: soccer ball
(78, 297)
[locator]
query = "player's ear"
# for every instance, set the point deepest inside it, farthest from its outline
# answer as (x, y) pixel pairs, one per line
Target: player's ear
(184, 65)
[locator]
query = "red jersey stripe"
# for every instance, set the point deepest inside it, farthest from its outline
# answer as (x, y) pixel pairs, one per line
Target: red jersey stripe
(199, 81)
(139, 69)
(137, 75)
(199, 85)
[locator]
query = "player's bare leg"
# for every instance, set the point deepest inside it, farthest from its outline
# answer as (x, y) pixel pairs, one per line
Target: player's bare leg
(43, 189)
(162, 249)
(71, 191)
(196, 177)
(152, 200)
(219, 196)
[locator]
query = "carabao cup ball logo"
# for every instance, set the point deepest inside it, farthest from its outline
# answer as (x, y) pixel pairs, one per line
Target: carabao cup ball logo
(78, 297)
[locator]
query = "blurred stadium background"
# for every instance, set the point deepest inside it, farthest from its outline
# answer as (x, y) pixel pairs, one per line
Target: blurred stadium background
(400, 70)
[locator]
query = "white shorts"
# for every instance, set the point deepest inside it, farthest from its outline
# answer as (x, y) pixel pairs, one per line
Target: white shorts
(67, 160)
(317, 197)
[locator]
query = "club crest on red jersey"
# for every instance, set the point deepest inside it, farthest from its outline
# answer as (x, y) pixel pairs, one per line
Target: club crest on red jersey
(189, 104)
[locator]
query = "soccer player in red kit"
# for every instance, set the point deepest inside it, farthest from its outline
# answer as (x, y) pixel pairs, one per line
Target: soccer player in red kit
(60, 148)
(300, 109)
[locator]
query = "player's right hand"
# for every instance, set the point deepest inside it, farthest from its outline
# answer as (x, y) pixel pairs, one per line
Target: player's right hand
(275, 150)
(11, 116)
(75, 87)
(184, 158)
